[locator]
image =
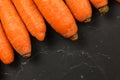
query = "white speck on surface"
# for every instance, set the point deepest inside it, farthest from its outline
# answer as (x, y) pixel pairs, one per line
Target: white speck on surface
(118, 17)
(109, 57)
(81, 76)
(101, 41)
(92, 71)
(96, 46)
(83, 53)
(34, 79)
(25, 62)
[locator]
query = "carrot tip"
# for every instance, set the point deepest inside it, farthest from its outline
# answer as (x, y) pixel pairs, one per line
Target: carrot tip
(87, 20)
(41, 36)
(74, 37)
(27, 55)
(104, 9)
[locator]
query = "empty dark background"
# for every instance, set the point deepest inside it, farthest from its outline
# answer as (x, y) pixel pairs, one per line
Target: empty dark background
(95, 56)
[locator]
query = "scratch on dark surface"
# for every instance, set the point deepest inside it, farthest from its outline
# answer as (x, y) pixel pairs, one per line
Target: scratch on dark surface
(91, 66)
(98, 66)
(75, 66)
(74, 53)
(60, 51)
(86, 53)
(28, 60)
(44, 50)
(19, 71)
(92, 70)
(83, 53)
(70, 54)
(23, 64)
(64, 51)
(8, 74)
(104, 55)
(39, 75)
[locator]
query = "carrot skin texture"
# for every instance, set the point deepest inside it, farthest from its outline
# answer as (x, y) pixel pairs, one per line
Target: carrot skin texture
(14, 28)
(31, 17)
(6, 51)
(58, 16)
(81, 9)
(101, 5)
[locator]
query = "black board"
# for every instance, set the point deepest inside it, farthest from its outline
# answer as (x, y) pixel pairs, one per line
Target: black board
(95, 56)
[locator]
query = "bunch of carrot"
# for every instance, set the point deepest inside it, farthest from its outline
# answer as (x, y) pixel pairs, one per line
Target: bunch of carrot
(17, 17)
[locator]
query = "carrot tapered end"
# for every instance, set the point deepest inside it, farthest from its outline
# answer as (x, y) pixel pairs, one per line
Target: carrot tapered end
(27, 55)
(74, 37)
(41, 36)
(88, 20)
(104, 9)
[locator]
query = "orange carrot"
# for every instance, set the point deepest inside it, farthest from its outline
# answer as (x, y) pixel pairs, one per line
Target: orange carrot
(101, 5)
(31, 17)
(118, 1)
(81, 9)
(6, 51)
(14, 28)
(59, 17)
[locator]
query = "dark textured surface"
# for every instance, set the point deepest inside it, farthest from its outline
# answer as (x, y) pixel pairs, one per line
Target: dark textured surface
(95, 56)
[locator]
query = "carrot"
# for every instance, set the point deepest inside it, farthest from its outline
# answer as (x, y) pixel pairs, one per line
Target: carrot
(14, 28)
(31, 17)
(81, 9)
(101, 5)
(59, 17)
(6, 51)
(118, 1)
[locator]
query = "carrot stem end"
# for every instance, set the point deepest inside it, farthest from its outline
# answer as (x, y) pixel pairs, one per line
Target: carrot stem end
(74, 37)
(104, 9)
